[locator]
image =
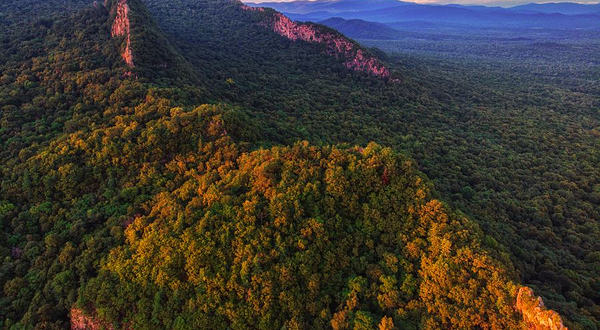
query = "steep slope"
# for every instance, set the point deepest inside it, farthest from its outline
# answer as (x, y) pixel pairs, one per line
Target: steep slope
(54, 81)
(242, 61)
(142, 42)
(335, 44)
(330, 42)
(62, 72)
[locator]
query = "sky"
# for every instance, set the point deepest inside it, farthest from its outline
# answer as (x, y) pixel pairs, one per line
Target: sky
(503, 3)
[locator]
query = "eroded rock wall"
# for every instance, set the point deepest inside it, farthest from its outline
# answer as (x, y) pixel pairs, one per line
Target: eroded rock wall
(121, 27)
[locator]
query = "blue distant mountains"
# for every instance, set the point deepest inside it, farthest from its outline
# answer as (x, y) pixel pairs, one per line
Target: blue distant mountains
(567, 8)
(392, 12)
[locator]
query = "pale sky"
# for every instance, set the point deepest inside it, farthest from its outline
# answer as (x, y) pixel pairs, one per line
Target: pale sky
(503, 3)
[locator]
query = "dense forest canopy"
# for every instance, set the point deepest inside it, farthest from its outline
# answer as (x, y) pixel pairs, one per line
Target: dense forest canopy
(516, 149)
(175, 194)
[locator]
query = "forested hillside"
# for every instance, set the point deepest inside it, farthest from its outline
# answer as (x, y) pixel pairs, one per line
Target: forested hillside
(152, 177)
(523, 164)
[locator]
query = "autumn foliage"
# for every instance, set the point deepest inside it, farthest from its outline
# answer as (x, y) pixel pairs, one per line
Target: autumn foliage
(298, 237)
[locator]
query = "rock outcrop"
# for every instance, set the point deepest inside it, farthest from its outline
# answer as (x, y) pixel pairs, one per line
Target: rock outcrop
(121, 27)
(335, 43)
(261, 9)
(535, 314)
(80, 321)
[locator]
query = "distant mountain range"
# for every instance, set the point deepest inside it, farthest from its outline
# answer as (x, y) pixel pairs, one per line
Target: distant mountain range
(360, 29)
(545, 16)
(304, 7)
(567, 8)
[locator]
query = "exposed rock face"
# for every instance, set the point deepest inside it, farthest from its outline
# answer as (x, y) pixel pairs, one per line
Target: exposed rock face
(252, 8)
(336, 44)
(80, 321)
(535, 314)
(121, 27)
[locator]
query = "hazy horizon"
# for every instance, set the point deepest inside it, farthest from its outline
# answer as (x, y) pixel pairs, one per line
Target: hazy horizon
(508, 3)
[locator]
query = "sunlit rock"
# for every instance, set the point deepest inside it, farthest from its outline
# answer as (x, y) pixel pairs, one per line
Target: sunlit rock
(121, 28)
(535, 314)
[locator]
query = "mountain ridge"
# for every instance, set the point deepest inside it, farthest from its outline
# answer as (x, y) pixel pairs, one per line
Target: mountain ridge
(336, 44)
(360, 29)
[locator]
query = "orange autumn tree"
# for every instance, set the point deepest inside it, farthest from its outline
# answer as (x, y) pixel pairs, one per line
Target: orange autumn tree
(297, 237)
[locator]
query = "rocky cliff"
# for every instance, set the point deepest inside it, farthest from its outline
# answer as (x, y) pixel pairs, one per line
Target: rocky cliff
(535, 314)
(80, 321)
(335, 43)
(121, 27)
